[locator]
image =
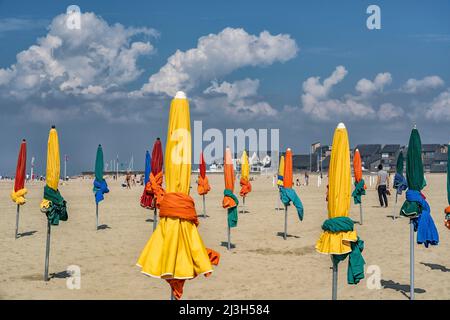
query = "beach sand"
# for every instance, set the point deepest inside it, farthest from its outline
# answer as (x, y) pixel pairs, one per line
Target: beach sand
(261, 266)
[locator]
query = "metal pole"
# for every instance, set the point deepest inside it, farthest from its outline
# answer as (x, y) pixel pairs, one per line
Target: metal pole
(360, 214)
(335, 279)
(17, 221)
(285, 222)
(204, 207)
(229, 238)
(154, 218)
(411, 259)
(65, 167)
(96, 213)
(47, 251)
(243, 204)
(171, 294)
(395, 215)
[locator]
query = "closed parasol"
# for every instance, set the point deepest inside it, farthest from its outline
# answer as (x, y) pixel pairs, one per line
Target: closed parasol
(175, 251)
(19, 191)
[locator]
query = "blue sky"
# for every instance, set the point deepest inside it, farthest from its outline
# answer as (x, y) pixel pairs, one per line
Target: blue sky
(413, 45)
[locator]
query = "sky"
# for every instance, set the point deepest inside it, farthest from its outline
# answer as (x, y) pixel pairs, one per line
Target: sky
(297, 66)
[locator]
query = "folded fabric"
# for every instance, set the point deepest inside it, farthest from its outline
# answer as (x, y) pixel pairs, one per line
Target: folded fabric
(288, 195)
(153, 191)
(54, 206)
(423, 223)
(178, 205)
(280, 180)
(355, 271)
(360, 190)
(400, 183)
(246, 187)
(19, 196)
(100, 188)
(230, 202)
(447, 217)
(203, 186)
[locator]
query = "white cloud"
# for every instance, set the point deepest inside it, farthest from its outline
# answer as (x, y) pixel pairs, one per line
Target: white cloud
(439, 109)
(388, 112)
(91, 60)
(316, 101)
(236, 98)
(430, 82)
(217, 55)
(367, 87)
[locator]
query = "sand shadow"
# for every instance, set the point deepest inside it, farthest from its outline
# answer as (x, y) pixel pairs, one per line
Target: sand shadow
(225, 244)
(434, 266)
(26, 234)
(402, 288)
(244, 211)
(103, 227)
(203, 216)
(281, 234)
(149, 220)
(60, 275)
(279, 209)
(393, 217)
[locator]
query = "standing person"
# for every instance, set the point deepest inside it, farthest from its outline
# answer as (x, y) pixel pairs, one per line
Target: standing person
(306, 178)
(128, 178)
(382, 185)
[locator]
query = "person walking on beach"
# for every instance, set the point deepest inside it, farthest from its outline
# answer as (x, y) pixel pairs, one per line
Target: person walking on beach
(382, 186)
(128, 180)
(306, 178)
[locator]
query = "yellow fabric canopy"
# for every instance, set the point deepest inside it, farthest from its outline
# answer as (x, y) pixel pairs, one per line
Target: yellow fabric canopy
(281, 171)
(175, 250)
(53, 164)
(245, 168)
(339, 193)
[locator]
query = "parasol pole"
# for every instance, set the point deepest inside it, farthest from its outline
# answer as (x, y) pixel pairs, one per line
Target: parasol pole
(96, 213)
(285, 222)
(204, 207)
(243, 204)
(411, 259)
(17, 221)
(47, 251)
(229, 238)
(335, 278)
(360, 214)
(154, 217)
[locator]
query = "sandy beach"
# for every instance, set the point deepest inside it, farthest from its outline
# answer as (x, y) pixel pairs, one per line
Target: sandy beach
(261, 266)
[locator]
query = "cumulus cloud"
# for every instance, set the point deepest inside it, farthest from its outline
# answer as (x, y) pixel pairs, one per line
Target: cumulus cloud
(439, 109)
(316, 101)
(238, 98)
(90, 60)
(367, 87)
(388, 111)
(217, 55)
(429, 82)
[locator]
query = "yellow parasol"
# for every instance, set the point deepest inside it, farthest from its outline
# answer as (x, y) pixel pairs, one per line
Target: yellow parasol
(339, 192)
(175, 251)
(280, 172)
(53, 204)
(339, 239)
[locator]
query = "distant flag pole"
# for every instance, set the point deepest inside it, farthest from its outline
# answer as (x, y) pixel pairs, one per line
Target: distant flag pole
(32, 169)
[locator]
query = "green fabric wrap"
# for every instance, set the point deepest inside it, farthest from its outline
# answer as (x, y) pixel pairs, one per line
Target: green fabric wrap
(232, 212)
(355, 270)
(57, 210)
(359, 191)
(338, 224)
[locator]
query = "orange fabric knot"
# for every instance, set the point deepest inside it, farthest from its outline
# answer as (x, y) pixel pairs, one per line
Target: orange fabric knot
(246, 187)
(177, 285)
(228, 202)
(446, 221)
(203, 185)
(153, 191)
(178, 205)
